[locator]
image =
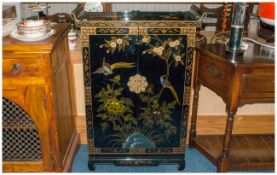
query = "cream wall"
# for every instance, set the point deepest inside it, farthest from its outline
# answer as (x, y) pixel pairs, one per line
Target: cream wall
(79, 89)
(211, 104)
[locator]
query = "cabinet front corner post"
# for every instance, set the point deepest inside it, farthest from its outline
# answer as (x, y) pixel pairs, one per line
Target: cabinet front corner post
(196, 89)
(194, 114)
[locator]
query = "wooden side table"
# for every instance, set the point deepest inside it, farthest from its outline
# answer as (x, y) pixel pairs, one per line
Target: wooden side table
(244, 80)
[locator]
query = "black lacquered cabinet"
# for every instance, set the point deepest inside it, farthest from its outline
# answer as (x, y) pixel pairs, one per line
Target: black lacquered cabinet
(137, 86)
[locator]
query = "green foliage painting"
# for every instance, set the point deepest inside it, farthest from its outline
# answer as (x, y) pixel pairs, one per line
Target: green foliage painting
(114, 109)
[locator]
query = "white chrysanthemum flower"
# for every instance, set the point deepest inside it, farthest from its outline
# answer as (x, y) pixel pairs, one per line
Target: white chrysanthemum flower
(137, 83)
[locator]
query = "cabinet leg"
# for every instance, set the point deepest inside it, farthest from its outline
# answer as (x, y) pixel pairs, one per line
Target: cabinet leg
(181, 165)
(222, 165)
(223, 161)
(194, 115)
(91, 165)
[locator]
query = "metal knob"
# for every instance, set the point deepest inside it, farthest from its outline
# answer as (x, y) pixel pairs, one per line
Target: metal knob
(16, 69)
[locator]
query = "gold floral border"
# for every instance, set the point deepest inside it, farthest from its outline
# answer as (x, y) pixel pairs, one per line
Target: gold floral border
(86, 31)
(191, 33)
(133, 23)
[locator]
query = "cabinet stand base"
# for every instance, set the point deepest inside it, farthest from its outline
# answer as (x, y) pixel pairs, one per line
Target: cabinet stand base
(128, 160)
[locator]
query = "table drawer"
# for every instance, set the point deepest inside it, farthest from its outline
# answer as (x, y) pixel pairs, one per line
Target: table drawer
(22, 67)
(214, 74)
(257, 83)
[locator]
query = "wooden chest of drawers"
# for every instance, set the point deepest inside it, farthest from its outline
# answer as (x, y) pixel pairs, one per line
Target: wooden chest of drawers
(39, 132)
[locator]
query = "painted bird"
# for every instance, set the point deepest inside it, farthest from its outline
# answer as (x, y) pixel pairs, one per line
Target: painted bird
(107, 69)
(168, 85)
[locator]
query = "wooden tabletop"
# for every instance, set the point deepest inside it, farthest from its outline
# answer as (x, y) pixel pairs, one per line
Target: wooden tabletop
(253, 55)
(13, 45)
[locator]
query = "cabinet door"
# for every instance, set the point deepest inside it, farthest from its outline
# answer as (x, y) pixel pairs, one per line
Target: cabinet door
(113, 60)
(26, 140)
(162, 63)
(63, 107)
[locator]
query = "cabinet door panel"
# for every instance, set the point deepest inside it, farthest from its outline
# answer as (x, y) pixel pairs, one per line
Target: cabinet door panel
(62, 95)
(162, 62)
(31, 99)
(113, 60)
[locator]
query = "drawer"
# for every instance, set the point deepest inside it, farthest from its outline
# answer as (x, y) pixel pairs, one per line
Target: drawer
(257, 83)
(22, 67)
(215, 74)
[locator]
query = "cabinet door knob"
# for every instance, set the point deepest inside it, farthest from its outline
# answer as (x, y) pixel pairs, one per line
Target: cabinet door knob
(16, 69)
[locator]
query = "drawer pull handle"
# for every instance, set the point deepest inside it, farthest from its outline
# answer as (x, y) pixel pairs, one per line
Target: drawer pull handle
(16, 69)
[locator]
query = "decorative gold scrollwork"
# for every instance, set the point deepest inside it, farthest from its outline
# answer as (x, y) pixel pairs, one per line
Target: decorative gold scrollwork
(135, 162)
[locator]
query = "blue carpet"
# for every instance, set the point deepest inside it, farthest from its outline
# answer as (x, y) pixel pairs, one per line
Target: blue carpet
(195, 162)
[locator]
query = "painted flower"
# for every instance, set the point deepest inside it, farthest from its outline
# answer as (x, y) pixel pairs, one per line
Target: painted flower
(114, 105)
(172, 44)
(137, 83)
(158, 50)
(178, 59)
(155, 49)
(145, 39)
(117, 78)
(161, 48)
(160, 53)
(119, 41)
(113, 45)
(176, 42)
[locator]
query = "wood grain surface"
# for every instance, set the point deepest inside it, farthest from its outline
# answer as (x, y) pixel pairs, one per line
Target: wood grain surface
(41, 86)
